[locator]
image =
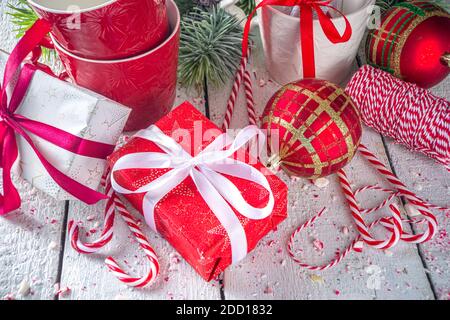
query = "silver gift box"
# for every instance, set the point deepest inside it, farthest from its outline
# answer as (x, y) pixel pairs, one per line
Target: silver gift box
(75, 110)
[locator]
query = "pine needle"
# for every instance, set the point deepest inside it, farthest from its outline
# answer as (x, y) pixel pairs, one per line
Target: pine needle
(247, 5)
(210, 47)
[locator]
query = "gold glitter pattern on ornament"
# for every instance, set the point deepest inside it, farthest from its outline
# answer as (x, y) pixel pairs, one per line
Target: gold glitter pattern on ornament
(378, 34)
(298, 133)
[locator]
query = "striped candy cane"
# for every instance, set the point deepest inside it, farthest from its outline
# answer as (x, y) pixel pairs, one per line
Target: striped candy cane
(421, 205)
(252, 117)
(361, 226)
(235, 90)
(108, 226)
(391, 195)
(393, 224)
(114, 203)
(355, 245)
(114, 267)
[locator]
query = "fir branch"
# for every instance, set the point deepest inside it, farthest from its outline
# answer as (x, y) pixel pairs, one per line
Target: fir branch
(247, 5)
(210, 47)
(185, 6)
(22, 16)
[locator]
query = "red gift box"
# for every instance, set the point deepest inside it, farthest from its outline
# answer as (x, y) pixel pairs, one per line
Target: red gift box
(182, 217)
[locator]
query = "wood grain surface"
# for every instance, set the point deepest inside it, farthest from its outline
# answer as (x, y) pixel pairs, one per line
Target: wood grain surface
(35, 251)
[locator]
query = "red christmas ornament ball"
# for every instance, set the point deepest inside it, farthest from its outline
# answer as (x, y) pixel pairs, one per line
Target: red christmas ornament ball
(313, 128)
(412, 43)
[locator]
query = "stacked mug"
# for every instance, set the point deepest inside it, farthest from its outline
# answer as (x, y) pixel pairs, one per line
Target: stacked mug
(126, 50)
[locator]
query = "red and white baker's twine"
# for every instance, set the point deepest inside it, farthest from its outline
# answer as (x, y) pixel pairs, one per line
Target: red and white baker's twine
(409, 114)
(114, 203)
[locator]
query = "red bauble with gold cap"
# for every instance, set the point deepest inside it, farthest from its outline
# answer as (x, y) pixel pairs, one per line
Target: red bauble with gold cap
(313, 128)
(412, 43)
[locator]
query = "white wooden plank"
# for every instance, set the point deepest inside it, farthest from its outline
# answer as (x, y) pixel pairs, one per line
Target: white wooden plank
(30, 237)
(432, 182)
(30, 245)
(88, 278)
(268, 273)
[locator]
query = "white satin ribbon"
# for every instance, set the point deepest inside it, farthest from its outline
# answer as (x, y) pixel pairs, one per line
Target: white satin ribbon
(206, 171)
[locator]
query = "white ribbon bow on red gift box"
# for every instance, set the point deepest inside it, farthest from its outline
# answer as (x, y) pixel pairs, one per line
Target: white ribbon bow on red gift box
(206, 171)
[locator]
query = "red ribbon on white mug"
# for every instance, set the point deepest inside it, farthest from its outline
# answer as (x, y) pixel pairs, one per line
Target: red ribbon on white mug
(307, 9)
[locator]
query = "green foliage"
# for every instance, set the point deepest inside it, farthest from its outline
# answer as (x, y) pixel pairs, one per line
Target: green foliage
(385, 5)
(184, 6)
(247, 5)
(206, 4)
(210, 47)
(23, 17)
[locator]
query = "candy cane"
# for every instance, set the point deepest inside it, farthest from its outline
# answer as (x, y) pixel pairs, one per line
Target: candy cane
(252, 117)
(114, 267)
(334, 262)
(392, 224)
(114, 203)
(421, 205)
(355, 245)
(361, 226)
(392, 194)
(235, 91)
(108, 226)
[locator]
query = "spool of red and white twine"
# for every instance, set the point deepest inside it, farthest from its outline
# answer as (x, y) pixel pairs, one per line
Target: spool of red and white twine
(410, 115)
(394, 223)
(114, 203)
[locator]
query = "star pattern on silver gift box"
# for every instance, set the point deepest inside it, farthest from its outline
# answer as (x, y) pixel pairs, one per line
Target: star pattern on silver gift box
(87, 133)
(93, 173)
(52, 93)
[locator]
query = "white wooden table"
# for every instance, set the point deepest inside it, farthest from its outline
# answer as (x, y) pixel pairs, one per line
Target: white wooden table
(35, 250)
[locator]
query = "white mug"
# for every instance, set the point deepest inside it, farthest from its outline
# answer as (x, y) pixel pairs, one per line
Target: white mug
(280, 33)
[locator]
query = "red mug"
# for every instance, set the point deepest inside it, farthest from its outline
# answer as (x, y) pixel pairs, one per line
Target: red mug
(105, 29)
(146, 83)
